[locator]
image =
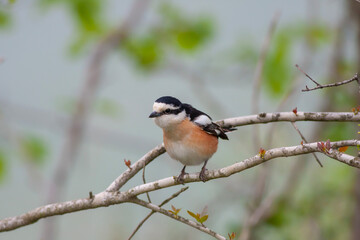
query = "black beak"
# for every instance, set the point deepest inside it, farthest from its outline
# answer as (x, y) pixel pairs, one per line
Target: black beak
(154, 115)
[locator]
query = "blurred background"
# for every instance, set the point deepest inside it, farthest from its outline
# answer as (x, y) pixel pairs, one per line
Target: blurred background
(78, 79)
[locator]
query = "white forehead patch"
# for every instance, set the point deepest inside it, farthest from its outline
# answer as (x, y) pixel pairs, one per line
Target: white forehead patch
(160, 107)
(202, 120)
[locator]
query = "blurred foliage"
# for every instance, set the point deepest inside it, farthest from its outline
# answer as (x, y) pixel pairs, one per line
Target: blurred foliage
(278, 64)
(34, 149)
(303, 216)
(184, 32)
(317, 35)
(347, 67)
(88, 17)
(107, 107)
(344, 101)
(339, 131)
(246, 52)
(2, 165)
(145, 51)
(5, 17)
(278, 68)
(174, 31)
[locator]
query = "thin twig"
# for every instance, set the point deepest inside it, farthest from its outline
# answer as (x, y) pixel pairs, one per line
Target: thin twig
(178, 218)
(305, 141)
(152, 212)
(307, 75)
(319, 86)
(355, 78)
(144, 181)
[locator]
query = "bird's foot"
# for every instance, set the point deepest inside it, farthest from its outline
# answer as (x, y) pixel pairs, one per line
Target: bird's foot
(180, 178)
(202, 174)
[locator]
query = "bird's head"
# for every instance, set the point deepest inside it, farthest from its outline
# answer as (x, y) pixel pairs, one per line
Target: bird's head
(167, 112)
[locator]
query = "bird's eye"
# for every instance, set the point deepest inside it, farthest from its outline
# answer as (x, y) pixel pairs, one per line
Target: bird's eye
(167, 111)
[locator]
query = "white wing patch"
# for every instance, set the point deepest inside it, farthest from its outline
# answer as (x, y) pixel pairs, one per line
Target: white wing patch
(202, 120)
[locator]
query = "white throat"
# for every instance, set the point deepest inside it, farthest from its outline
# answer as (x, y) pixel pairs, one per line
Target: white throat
(167, 121)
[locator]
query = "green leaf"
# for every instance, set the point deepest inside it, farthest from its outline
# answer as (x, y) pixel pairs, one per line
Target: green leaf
(191, 36)
(145, 51)
(34, 149)
(5, 19)
(87, 14)
(203, 219)
(185, 33)
(88, 18)
(193, 215)
(175, 210)
(2, 166)
(277, 67)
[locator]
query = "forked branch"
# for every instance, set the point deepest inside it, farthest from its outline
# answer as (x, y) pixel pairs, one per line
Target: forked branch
(319, 86)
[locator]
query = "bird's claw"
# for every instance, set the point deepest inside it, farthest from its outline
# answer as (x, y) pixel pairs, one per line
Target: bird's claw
(180, 178)
(202, 174)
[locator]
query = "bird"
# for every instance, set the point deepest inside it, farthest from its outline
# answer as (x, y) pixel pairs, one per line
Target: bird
(190, 136)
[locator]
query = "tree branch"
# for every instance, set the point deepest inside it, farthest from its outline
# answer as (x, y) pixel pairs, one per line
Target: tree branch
(319, 86)
(107, 198)
(290, 117)
(233, 122)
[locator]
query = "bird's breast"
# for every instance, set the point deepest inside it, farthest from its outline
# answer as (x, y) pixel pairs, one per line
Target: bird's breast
(189, 144)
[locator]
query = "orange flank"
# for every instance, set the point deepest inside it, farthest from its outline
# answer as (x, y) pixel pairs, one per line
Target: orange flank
(193, 137)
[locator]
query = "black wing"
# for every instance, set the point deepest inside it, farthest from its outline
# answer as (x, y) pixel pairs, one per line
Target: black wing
(208, 126)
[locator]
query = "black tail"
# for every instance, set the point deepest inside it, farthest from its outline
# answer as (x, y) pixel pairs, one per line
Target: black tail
(216, 130)
(224, 130)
